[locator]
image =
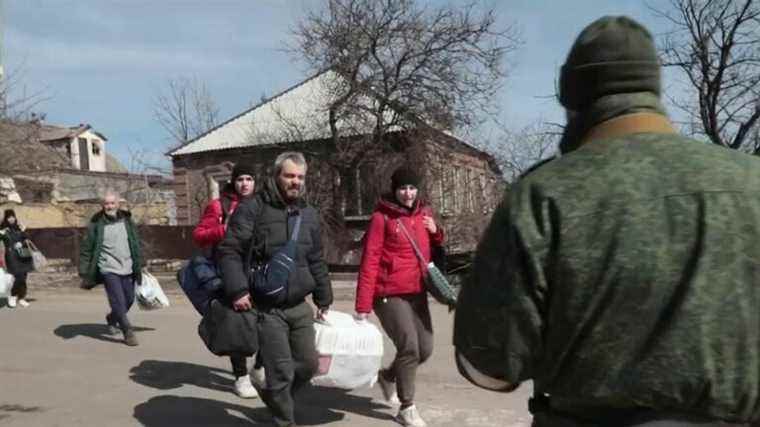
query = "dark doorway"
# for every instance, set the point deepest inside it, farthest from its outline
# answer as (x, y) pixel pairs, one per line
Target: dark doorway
(84, 155)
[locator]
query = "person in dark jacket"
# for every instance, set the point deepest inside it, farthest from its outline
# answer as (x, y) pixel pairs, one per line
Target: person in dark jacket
(208, 234)
(391, 281)
(110, 254)
(14, 238)
(621, 278)
(289, 356)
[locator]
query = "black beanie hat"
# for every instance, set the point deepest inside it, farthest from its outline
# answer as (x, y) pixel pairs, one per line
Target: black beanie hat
(404, 176)
(242, 169)
(9, 213)
(614, 54)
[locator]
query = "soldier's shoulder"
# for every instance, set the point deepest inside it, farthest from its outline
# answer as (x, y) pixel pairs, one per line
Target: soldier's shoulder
(536, 166)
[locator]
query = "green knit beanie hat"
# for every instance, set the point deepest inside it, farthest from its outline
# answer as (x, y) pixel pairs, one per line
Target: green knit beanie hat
(612, 55)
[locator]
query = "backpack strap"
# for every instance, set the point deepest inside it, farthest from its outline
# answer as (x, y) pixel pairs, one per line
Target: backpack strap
(253, 243)
(296, 228)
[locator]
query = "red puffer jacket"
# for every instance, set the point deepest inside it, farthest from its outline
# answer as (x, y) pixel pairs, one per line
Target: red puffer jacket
(389, 264)
(210, 229)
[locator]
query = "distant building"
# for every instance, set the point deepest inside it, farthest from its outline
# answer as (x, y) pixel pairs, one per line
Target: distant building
(54, 176)
(461, 181)
(83, 145)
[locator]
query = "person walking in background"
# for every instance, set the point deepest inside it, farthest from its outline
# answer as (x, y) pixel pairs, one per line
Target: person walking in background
(623, 277)
(110, 254)
(391, 282)
(207, 235)
(18, 258)
(285, 324)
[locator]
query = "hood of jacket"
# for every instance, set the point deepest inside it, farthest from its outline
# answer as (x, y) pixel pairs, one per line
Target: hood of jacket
(101, 216)
(272, 196)
(388, 205)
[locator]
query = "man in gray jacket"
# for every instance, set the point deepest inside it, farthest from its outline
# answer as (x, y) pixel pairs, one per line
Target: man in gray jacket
(285, 326)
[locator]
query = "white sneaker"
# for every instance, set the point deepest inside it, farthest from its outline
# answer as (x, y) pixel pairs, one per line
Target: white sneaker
(389, 390)
(12, 302)
(244, 389)
(258, 378)
(23, 303)
(410, 417)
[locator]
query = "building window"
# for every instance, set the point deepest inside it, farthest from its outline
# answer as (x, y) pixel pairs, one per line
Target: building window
(447, 191)
(469, 202)
(456, 187)
(361, 191)
(95, 148)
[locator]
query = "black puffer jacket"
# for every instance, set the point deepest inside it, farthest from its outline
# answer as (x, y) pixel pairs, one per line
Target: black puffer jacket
(266, 216)
(15, 264)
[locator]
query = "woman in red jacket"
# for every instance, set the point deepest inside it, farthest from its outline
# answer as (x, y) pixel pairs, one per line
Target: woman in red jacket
(391, 281)
(208, 233)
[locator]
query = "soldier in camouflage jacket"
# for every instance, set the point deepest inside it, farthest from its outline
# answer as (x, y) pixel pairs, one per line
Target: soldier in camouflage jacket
(622, 278)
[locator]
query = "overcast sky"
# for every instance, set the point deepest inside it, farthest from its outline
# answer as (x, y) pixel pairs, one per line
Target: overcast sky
(102, 61)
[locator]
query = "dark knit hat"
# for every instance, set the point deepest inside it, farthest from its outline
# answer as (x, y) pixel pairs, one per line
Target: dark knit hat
(242, 169)
(612, 55)
(404, 176)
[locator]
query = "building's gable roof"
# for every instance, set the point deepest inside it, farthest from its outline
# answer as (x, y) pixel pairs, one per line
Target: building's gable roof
(52, 133)
(299, 113)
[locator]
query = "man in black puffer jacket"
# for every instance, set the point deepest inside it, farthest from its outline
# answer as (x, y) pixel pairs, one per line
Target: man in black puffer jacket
(286, 328)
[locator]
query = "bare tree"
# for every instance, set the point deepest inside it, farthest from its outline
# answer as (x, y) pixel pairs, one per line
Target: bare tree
(716, 44)
(400, 67)
(185, 109)
(517, 151)
(20, 148)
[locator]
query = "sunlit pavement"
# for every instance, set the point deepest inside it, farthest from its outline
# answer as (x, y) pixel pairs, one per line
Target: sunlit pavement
(59, 367)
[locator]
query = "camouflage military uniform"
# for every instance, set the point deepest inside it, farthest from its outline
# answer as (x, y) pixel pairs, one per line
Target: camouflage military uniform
(624, 275)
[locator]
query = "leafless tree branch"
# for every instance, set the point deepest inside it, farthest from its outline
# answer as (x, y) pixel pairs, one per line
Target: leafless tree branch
(716, 44)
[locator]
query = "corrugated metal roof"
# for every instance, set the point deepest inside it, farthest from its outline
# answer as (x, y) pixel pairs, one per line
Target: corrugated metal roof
(297, 114)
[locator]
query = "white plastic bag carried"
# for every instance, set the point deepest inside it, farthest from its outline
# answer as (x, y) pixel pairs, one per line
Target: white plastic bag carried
(6, 283)
(350, 352)
(149, 294)
(38, 259)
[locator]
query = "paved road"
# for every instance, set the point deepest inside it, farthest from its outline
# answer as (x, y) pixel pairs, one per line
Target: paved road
(59, 368)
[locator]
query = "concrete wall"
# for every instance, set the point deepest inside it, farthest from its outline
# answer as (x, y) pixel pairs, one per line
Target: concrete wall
(69, 214)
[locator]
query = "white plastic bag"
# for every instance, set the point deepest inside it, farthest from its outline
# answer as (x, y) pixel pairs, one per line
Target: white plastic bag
(38, 259)
(6, 283)
(149, 294)
(350, 352)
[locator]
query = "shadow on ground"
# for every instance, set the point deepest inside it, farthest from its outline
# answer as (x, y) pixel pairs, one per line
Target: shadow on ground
(321, 405)
(167, 375)
(98, 331)
(166, 411)
(314, 405)
(7, 410)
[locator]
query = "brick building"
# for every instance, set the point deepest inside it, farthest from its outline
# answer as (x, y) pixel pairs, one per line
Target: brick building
(462, 182)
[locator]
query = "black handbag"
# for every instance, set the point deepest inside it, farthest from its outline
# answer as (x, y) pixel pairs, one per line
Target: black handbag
(227, 332)
(269, 281)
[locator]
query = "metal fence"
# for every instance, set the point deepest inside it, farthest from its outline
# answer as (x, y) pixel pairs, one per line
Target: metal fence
(158, 241)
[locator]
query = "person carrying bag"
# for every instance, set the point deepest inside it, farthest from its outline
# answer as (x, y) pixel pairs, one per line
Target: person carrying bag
(18, 257)
(202, 283)
(392, 284)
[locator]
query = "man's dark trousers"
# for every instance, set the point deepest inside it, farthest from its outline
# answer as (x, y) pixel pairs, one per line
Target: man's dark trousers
(121, 294)
(289, 356)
